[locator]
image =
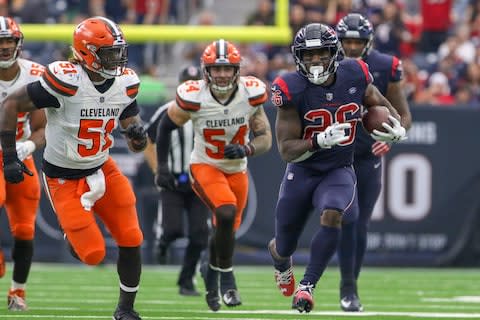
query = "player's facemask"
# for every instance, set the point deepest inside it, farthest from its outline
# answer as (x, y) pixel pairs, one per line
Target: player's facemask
(113, 60)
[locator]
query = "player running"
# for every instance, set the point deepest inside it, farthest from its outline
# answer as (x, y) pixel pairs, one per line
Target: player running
(84, 100)
(224, 108)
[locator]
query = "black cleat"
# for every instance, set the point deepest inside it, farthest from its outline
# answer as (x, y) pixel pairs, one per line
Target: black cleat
(231, 298)
(351, 303)
(349, 300)
(121, 314)
(213, 300)
(210, 277)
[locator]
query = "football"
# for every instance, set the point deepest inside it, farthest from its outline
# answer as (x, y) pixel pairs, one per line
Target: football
(374, 117)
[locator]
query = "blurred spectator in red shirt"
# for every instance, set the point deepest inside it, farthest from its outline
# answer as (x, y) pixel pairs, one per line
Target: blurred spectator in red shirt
(438, 91)
(436, 23)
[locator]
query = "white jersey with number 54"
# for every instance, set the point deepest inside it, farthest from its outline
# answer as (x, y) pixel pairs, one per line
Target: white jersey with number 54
(217, 124)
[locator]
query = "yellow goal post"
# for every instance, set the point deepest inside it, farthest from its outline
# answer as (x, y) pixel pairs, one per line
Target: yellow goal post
(280, 33)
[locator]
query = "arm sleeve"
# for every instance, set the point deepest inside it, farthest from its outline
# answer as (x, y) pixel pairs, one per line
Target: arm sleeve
(40, 97)
(164, 130)
(152, 127)
(130, 111)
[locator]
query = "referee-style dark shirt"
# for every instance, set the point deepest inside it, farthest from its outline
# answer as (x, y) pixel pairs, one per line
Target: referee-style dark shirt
(181, 142)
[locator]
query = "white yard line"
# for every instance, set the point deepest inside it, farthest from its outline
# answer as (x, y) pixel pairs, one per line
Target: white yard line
(434, 315)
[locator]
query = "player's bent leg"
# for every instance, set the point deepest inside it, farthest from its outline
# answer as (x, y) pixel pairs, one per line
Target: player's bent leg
(129, 268)
(349, 300)
(210, 275)
(283, 275)
(87, 243)
(224, 244)
(21, 208)
(322, 248)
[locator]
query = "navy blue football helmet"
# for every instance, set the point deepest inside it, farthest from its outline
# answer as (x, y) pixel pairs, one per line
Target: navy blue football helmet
(355, 26)
(315, 36)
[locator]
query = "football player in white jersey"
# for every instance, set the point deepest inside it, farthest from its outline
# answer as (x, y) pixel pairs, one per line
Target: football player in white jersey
(224, 108)
(21, 200)
(84, 100)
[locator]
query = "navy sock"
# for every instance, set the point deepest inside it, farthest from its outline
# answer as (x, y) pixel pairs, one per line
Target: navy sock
(323, 246)
(361, 234)
(347, 252)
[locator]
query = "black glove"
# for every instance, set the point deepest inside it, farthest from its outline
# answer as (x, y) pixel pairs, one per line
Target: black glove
(13, 168)
(137, 134)
(237, 151)
(164, 179)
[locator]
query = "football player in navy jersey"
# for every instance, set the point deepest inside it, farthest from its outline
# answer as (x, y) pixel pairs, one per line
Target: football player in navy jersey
(319, 106)
(355, 33)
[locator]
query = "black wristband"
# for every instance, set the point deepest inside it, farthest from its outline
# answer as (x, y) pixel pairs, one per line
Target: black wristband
(7, 139)
(9, 156)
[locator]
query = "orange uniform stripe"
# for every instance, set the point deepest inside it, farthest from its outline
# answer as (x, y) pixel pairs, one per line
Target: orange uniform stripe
(132, 90)
(188, 105)
(58, 85)
(258, 100)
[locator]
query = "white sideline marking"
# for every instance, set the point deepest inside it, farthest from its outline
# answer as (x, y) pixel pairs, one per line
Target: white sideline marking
(468, 299)
(445, 315)
(366, 314)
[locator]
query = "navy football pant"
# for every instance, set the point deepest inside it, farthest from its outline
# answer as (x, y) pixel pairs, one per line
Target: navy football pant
(301, 192)
(353, 241)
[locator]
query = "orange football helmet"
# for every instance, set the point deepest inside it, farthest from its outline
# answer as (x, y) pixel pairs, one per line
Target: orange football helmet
(221, 53)
(10, 29)
(99, 44)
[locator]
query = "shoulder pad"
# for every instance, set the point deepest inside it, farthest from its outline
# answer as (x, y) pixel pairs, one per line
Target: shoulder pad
(132, 82)
(365, 71)
(188, 95)
(62, 77)
(33, 69)
(256, 90)
(284, 88)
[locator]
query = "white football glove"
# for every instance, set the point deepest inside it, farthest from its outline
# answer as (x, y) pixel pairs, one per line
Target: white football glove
(24, 149)
(393, 134)
(333, 135)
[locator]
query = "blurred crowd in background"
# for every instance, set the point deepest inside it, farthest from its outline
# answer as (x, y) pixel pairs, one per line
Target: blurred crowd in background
(438, 41)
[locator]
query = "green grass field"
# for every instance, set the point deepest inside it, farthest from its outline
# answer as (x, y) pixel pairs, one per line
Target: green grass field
(78, 292)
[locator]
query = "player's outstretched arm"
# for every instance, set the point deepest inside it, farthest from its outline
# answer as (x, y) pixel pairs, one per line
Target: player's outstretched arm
(18, 101)
(288, 130)
(262, 133)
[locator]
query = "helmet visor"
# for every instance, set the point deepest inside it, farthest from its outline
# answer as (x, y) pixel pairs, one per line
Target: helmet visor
(113, 57)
